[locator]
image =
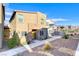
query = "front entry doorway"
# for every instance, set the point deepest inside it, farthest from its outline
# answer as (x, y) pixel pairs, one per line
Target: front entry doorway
(34, 33)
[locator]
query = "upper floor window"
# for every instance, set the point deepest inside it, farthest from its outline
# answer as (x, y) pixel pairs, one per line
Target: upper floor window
(42, 21)
(20, 18)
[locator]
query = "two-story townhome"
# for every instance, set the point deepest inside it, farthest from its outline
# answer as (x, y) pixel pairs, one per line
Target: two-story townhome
(2, 15)
(28, 24)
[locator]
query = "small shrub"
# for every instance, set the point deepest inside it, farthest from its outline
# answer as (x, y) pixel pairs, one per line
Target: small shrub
(47, 46)
(16, 38)
(75, 33)
(14, 41)
(66, 36)
(72, 35)
(11, 43)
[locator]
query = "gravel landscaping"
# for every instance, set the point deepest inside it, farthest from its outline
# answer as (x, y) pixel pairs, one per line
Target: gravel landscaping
(61, 47)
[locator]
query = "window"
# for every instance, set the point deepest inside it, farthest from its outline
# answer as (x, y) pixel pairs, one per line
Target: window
(42, 21)
(41, 33)
(24, 33)
(20, 18)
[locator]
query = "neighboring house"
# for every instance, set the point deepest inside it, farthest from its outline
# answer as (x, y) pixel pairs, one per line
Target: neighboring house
(2, 15)
(31, 25)
(51, 26)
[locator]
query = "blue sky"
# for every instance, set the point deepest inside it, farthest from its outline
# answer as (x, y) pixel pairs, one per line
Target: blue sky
(61, 13)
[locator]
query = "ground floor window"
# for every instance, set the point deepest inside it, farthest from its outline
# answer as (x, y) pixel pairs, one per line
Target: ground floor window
(41, 33)
(24, 33)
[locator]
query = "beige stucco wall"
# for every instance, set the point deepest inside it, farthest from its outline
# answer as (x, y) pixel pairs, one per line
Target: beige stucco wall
(12, 26)
(0, 13)
(41, 16)
(1, 24)
(29, 22)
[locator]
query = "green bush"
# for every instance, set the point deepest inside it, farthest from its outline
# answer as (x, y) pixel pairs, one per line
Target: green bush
(14, 41)
(66, 36)
(72, 35)
(16, 38)
(11, 43)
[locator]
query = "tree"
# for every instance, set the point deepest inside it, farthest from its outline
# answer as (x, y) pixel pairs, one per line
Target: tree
(62, 27)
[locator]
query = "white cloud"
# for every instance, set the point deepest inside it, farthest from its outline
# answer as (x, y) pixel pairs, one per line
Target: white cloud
(8, 10)
(7, 18)
(8, 13)
(6, 22)
(6, 4)
(59, 19)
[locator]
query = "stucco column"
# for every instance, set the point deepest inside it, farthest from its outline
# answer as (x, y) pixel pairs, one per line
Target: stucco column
(1, 36)
(1, 24)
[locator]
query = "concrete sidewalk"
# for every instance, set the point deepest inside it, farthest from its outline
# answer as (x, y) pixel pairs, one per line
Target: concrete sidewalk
(36, 43)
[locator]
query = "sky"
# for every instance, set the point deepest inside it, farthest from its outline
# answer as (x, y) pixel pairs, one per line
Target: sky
(61, 13)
